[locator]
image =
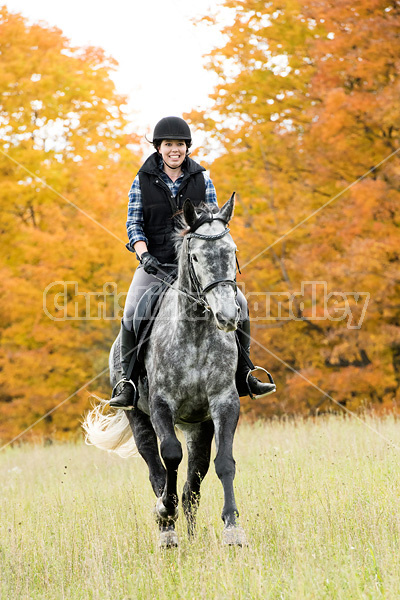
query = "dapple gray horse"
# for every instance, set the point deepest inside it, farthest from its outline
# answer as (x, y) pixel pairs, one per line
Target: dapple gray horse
(190, 361)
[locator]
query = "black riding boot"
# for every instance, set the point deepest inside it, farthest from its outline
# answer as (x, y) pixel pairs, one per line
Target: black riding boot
(246, 383)
(126, 395)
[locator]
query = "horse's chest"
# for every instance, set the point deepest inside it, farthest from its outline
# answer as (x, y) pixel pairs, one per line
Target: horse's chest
(187, 370)
(189, 364)
(185, 377)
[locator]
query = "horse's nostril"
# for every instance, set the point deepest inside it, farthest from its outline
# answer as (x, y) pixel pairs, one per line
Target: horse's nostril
(220, 317)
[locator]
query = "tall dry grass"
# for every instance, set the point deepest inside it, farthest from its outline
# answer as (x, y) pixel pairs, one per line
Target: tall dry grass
(319, 502)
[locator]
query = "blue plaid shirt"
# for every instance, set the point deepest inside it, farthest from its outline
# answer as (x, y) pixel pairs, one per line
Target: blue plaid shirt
(135, 221)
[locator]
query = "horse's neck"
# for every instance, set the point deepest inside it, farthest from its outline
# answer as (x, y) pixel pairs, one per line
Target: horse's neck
(183, 280)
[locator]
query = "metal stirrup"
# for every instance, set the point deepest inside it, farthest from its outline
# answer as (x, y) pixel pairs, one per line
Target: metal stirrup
(256, 368)
(123, 380)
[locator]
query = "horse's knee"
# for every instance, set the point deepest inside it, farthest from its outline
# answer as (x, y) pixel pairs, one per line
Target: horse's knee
(225, 467)
(171, 452)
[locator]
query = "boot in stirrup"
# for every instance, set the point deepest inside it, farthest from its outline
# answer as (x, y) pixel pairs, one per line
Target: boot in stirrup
(124, 392)
(246, 383)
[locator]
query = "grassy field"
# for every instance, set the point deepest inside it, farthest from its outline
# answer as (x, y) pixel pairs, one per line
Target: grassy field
(319, 501)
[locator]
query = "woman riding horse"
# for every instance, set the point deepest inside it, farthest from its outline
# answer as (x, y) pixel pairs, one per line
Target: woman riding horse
(158, 192)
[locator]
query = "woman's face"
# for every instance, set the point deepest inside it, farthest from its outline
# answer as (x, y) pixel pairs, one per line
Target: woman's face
(173, 152)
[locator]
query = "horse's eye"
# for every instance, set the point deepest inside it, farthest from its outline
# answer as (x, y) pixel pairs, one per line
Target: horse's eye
(195, 259)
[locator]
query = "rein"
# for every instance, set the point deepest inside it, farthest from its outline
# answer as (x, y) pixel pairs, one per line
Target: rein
(199, 301)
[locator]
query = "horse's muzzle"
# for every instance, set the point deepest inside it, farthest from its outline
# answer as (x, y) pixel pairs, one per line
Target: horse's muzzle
(225, 323)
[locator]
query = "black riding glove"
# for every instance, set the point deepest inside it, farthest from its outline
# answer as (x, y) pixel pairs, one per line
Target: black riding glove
(150, 263)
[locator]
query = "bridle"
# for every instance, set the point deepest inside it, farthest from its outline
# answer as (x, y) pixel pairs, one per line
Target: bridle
(200, 298)
(201, 292)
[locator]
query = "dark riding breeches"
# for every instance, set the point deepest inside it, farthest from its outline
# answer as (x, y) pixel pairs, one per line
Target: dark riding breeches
(142, 281)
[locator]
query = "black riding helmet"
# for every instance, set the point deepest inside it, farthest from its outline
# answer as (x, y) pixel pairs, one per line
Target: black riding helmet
(172, 128)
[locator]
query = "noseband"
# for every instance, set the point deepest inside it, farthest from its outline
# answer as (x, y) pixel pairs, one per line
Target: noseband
(192, 273)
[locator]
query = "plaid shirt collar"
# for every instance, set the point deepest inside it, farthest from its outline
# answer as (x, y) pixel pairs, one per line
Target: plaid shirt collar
(173, 185)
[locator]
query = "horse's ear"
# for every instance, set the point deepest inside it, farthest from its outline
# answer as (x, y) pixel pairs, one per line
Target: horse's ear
(189, 212)
(226, 211)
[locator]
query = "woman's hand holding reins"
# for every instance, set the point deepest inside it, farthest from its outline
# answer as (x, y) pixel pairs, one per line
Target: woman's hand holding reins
(150, 263)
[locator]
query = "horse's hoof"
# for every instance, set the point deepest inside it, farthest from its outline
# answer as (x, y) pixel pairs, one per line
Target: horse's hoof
(234, 535)
(162, 512)
(168, 539)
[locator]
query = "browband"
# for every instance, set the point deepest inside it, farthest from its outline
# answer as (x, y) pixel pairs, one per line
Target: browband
(205, 218)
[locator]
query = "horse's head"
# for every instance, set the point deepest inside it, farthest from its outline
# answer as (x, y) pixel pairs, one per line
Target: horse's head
(212, 261)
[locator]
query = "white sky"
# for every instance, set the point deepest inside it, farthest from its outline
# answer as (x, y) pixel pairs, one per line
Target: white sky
(158, 48)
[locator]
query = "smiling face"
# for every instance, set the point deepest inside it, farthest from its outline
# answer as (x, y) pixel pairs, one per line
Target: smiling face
(173, 152)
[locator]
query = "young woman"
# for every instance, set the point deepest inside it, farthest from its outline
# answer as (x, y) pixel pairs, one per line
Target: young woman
(158, 191)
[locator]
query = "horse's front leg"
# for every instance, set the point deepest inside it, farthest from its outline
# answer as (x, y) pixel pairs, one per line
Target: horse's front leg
(171, 453)
(225, 414)
(146, 443)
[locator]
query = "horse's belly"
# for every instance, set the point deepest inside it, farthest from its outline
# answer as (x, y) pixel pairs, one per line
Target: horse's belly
(191, 400)
(197, 415)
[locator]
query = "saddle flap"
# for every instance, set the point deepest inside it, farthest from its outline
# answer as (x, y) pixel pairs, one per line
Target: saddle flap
(147, 310)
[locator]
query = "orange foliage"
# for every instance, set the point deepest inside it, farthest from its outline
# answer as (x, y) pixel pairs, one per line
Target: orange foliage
(62, 121)
(307, 103)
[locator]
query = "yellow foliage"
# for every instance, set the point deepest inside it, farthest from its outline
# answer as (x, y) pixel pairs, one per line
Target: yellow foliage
(61, 122)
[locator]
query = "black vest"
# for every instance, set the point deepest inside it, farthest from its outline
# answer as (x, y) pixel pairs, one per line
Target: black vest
(160, 206)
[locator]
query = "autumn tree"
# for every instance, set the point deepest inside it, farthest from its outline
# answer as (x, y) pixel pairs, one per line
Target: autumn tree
(354, 131)
(66, 163)
(307, 103)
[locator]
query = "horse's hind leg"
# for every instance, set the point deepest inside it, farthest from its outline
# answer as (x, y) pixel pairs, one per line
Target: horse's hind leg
(225, 415)
(171, 453)
(198, 439)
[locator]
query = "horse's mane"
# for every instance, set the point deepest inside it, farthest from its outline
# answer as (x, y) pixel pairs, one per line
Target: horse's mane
(182, 227)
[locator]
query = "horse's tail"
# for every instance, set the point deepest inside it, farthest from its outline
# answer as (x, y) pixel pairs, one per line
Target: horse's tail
(110, 432)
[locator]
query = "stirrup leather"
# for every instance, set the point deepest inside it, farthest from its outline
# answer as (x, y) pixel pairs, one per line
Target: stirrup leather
(256, 368)
(114, 392)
